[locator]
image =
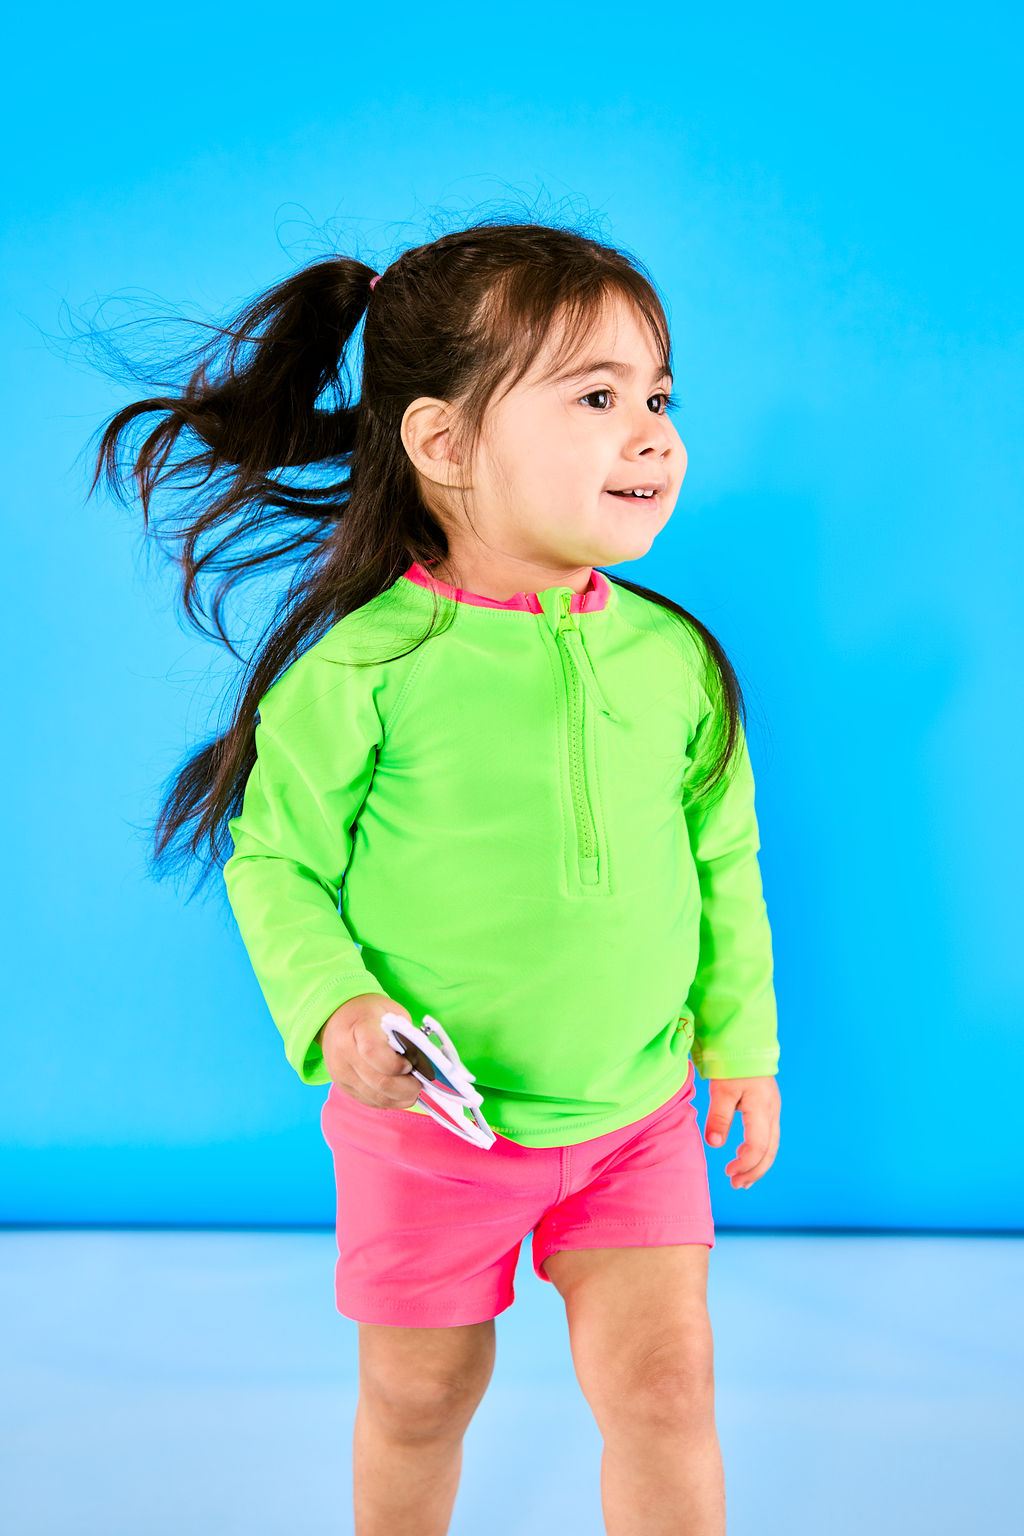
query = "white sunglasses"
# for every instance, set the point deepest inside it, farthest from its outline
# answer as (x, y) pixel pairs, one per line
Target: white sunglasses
(447, 1086)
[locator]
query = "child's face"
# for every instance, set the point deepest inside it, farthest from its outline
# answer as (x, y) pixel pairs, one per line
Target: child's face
(550, 454)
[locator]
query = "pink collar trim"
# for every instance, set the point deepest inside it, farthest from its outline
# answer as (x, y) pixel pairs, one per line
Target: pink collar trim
(593, 596)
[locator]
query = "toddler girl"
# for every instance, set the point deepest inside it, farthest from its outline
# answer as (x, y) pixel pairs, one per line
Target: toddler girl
(472, 774)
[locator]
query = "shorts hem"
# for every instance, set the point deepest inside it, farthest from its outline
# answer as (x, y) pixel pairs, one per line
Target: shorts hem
(405, 1313)
(661, 1234)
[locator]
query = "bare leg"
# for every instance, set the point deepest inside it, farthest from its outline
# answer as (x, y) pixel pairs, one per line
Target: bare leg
(418, 1391)
(667, 1482)
(402, 1487)
(644, 1356)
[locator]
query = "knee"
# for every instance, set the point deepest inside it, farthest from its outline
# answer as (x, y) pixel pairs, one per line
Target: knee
(423, 1401)
(424, 1408)
(669, 1384)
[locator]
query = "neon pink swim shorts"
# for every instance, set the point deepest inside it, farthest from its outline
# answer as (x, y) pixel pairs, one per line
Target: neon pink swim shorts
(429, 1226)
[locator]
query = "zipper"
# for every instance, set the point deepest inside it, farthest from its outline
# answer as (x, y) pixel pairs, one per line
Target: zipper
(580, 679)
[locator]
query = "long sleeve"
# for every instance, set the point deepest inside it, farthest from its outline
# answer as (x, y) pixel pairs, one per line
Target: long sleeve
(732, 997)
(292, 842)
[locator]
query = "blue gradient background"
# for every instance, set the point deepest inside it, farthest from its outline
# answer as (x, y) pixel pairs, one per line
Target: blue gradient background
(830, 204)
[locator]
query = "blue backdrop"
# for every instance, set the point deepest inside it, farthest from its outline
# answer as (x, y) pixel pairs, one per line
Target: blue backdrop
(826, 199)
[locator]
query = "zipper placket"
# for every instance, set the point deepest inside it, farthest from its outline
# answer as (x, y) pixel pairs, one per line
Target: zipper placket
(580, 678)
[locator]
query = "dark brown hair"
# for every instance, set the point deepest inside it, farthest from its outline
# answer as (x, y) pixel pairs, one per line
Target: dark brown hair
(455, 319)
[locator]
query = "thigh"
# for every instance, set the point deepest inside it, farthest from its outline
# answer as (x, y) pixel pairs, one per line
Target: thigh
(638, 1322)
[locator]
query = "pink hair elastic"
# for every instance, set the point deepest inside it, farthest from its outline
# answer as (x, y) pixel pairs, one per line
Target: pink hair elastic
(375, 280)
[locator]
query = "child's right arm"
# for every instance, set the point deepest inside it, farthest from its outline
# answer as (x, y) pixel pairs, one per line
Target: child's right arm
(292, 841)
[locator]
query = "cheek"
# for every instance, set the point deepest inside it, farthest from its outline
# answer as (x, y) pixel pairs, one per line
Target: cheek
(534, 471)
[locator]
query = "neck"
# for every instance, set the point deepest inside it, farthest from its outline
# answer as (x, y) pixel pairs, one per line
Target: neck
(501, 580)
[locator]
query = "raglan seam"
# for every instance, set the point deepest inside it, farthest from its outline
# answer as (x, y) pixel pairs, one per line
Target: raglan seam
(300, 708)
(386, 719)
(405, 692)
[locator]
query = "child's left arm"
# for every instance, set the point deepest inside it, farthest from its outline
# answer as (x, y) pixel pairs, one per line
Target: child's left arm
(732, 997)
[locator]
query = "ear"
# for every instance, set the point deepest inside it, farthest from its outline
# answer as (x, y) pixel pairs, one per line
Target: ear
(428, 440)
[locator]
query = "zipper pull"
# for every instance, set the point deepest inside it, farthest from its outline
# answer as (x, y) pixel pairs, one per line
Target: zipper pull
(568, 627)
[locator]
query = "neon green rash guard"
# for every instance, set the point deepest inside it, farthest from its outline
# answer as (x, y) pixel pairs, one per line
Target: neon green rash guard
(496, 829)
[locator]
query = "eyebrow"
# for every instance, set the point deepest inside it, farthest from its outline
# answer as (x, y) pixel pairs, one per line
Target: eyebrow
(624, 370)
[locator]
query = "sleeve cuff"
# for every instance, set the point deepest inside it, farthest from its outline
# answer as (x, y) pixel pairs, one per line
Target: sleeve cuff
(763, 1063)
(302, 1049)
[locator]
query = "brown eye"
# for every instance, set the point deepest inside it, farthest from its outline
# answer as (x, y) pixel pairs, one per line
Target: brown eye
(671, 403)
(595, 392)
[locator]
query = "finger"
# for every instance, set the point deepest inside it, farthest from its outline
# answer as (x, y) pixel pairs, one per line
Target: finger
(748, 1154)
(761, 1130)
(751, 1152)
(387, 1089)
(413, 1059)
(410, 1057)
(397, 1086)
(745, 1180)
(366, 1093)
(380, 1054)
(398, 1063)
(759, 1122)
(376, 1084)
(403, 1101)
(743, 1176)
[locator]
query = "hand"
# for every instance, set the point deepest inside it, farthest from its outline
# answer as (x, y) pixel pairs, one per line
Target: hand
(759, 1102)
(359, 1058)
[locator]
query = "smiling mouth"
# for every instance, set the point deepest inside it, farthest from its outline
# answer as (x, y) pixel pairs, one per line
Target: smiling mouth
(643, 501)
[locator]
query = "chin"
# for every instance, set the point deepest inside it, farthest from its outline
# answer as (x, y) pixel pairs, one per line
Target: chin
(631, 548)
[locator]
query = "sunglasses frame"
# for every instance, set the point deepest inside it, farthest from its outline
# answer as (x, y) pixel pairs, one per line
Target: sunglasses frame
(446, 1100)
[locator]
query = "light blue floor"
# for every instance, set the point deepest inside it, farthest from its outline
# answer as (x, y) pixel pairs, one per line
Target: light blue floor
(162, 1382)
